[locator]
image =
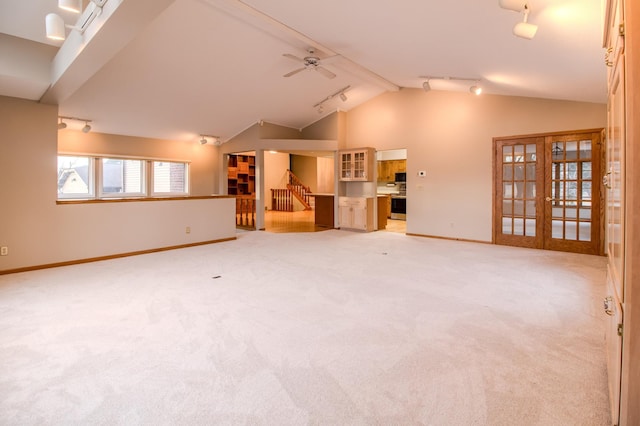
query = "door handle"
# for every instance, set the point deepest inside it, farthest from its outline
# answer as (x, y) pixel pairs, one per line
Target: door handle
(608, 308)
(548, 199)
(606, 180)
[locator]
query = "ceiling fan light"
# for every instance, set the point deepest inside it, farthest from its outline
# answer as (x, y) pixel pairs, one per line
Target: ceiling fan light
(515, 5)
(74, 6)
(54, 27)
(525, 30)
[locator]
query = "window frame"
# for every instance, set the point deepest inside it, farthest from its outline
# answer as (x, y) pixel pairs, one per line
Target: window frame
(91, 185)
(96, 178)
(152, 179)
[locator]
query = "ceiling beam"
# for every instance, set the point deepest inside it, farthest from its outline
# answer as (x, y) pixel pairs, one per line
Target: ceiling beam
(83, 55)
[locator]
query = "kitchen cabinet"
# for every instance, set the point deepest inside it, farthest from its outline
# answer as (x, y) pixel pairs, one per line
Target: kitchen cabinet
(357, 165)
(356, 213)
(324, 210)
(384, 207)
(387, 169)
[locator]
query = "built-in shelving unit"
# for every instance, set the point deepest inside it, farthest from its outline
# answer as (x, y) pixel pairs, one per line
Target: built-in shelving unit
(241, 176)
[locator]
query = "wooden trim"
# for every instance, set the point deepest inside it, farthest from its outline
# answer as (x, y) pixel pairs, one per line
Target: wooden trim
(129, 200)
(559, 133)
(630, 390)
(112, 256)
(437, 237)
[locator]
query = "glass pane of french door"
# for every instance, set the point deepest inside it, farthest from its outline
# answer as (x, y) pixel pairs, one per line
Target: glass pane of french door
(518, 181)
(572, 188)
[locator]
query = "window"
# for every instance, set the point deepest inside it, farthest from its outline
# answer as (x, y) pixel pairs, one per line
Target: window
(170, 178)
(75, 177)
(122, 177)
(82, 177)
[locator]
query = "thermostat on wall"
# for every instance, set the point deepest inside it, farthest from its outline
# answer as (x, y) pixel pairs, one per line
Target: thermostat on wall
(422, 173)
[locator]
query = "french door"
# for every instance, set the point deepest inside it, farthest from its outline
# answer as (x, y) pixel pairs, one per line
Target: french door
(547, 191)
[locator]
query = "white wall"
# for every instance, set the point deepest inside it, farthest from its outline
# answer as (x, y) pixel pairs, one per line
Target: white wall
(449, 135)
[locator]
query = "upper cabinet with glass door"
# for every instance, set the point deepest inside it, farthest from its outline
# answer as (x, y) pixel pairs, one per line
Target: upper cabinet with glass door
(357, 165)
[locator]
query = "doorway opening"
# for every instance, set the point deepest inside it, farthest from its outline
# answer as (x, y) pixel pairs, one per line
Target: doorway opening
(392, 184)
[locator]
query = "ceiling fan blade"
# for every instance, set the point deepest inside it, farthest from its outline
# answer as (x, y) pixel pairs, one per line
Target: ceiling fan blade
(325, 72)
(294, 57)
(289, 74)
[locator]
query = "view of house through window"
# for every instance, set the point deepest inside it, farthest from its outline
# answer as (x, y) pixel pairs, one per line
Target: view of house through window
(170, 178)
(85, 177)
(122, 177)
(75, 177)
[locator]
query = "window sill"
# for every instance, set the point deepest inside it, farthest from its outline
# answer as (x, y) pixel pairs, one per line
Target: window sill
(139, 199)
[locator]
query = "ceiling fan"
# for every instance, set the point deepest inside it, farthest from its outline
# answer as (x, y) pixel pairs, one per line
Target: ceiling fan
(311, 62)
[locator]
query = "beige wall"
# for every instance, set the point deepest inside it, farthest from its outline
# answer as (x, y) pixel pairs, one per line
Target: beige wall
(38, 231)
(202, 158)
(449, 135)
(326, 175)
(275, 169)
(306, 168)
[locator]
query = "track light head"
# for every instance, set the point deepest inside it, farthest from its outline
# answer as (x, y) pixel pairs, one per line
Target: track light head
(320, 109)
(54, 26)
(426, 86)
(524, 29)
(62, 125)
(343, 97)
(515, 5)
(476, 90)
(86, 128)
(203, 141)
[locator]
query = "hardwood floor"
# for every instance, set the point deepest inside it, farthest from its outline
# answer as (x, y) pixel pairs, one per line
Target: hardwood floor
(394, 225)
(303, 221)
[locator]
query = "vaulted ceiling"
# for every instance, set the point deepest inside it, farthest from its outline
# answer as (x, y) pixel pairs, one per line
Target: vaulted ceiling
(174, 69)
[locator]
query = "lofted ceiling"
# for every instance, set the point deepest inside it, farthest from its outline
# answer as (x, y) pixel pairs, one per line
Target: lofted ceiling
(174, 69)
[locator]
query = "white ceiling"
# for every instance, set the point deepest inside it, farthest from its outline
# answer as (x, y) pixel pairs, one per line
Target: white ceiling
(216, 67)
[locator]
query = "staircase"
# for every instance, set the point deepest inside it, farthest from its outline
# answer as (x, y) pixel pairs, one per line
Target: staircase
(281, 199)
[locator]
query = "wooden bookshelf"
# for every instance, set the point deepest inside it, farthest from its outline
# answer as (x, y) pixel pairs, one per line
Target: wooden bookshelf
(241, 177)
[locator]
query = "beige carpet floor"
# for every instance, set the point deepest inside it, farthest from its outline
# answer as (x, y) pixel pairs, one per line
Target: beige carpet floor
(327, 328)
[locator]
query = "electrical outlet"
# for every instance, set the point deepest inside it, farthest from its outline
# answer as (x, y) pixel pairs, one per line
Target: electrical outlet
(4, 251)
(188, 230)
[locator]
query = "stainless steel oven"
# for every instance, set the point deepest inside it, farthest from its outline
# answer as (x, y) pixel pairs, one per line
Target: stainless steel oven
(399, 207)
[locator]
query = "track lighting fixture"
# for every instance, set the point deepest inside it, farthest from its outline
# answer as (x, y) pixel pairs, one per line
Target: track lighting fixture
(63, 125)
(475, 89)
(340, 93)
(522, 29)
(204, 139)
